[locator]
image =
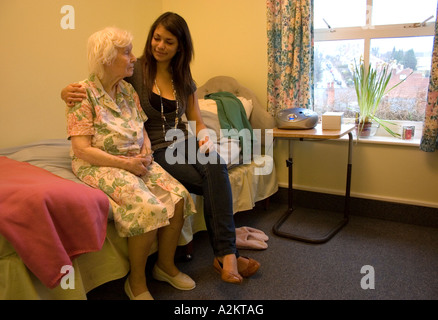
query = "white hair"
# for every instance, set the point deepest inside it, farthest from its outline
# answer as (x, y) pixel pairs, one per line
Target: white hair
(102, 48)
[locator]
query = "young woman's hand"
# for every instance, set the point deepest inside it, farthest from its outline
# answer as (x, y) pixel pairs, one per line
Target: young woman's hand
(73, 93)
(206, 145)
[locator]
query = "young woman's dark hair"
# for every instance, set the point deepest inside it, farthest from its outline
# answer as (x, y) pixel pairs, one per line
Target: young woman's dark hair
(180, 64)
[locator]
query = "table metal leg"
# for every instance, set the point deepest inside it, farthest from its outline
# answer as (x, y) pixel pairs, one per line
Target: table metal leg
(290, 209)
(349, 167)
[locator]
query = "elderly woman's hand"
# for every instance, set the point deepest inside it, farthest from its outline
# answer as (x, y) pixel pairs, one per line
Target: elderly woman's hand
(149, 158)
(137, 165)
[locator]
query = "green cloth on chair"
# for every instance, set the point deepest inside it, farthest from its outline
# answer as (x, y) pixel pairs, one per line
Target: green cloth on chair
(232, 117)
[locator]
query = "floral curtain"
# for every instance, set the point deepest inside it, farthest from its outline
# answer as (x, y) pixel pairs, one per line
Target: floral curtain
(429, 140)
(290, 54)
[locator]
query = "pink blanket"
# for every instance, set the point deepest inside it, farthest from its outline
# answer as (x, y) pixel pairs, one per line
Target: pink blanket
(49, 220)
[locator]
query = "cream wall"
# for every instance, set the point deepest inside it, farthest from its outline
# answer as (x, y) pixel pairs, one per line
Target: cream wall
(38, 58)
(229, 38)
(400, 174)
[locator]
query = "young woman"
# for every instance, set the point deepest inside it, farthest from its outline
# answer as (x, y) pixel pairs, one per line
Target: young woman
(163, 81)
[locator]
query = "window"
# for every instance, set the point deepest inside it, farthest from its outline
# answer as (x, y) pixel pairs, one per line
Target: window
(399, 32)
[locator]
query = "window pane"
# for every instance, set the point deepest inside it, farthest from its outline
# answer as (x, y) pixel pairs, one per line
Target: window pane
(402, 11)
(406, 55)
(333, 89)
(339, 13)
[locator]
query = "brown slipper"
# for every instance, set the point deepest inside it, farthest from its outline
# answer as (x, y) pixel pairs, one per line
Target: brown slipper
(251, 267)
(225, 275)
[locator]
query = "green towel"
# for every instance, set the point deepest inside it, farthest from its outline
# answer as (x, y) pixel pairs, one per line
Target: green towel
(232, 115)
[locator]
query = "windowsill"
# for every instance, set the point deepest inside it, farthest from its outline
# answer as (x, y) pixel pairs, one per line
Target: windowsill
(383, 137)
(415, 142)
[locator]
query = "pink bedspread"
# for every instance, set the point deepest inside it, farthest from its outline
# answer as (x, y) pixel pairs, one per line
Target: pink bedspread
(49, 220)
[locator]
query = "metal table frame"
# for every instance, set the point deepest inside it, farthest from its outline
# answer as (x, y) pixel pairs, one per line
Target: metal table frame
(314, 134)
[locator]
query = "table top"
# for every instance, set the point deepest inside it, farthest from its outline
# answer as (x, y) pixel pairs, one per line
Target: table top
(314, 133)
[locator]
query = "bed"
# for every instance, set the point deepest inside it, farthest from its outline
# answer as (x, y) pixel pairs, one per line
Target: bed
(107, 259)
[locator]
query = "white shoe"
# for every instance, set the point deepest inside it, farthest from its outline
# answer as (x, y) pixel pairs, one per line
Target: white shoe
(142, 296)
(181, 281)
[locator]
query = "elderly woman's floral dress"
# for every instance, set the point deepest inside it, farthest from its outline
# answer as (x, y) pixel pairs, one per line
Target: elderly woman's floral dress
(140, 204)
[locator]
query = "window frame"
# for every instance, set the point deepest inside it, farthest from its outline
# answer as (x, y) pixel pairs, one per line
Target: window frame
(369, 32)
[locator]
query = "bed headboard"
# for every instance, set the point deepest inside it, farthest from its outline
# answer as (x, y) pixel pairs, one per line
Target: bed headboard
(259, 119)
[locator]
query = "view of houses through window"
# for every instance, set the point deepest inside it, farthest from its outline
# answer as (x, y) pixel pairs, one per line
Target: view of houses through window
(378, 31)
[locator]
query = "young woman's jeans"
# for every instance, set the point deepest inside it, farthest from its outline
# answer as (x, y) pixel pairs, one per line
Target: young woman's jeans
(210, 180)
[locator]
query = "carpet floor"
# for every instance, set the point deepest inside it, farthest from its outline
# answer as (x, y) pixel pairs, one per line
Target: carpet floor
(369, 259)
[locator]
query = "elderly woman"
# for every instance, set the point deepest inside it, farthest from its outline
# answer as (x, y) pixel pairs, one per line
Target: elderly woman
(112, 151)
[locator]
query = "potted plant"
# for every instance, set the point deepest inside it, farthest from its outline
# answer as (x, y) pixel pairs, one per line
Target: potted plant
(370, 85)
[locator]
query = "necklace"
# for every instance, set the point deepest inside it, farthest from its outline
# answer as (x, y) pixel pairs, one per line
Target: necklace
(163, 117)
